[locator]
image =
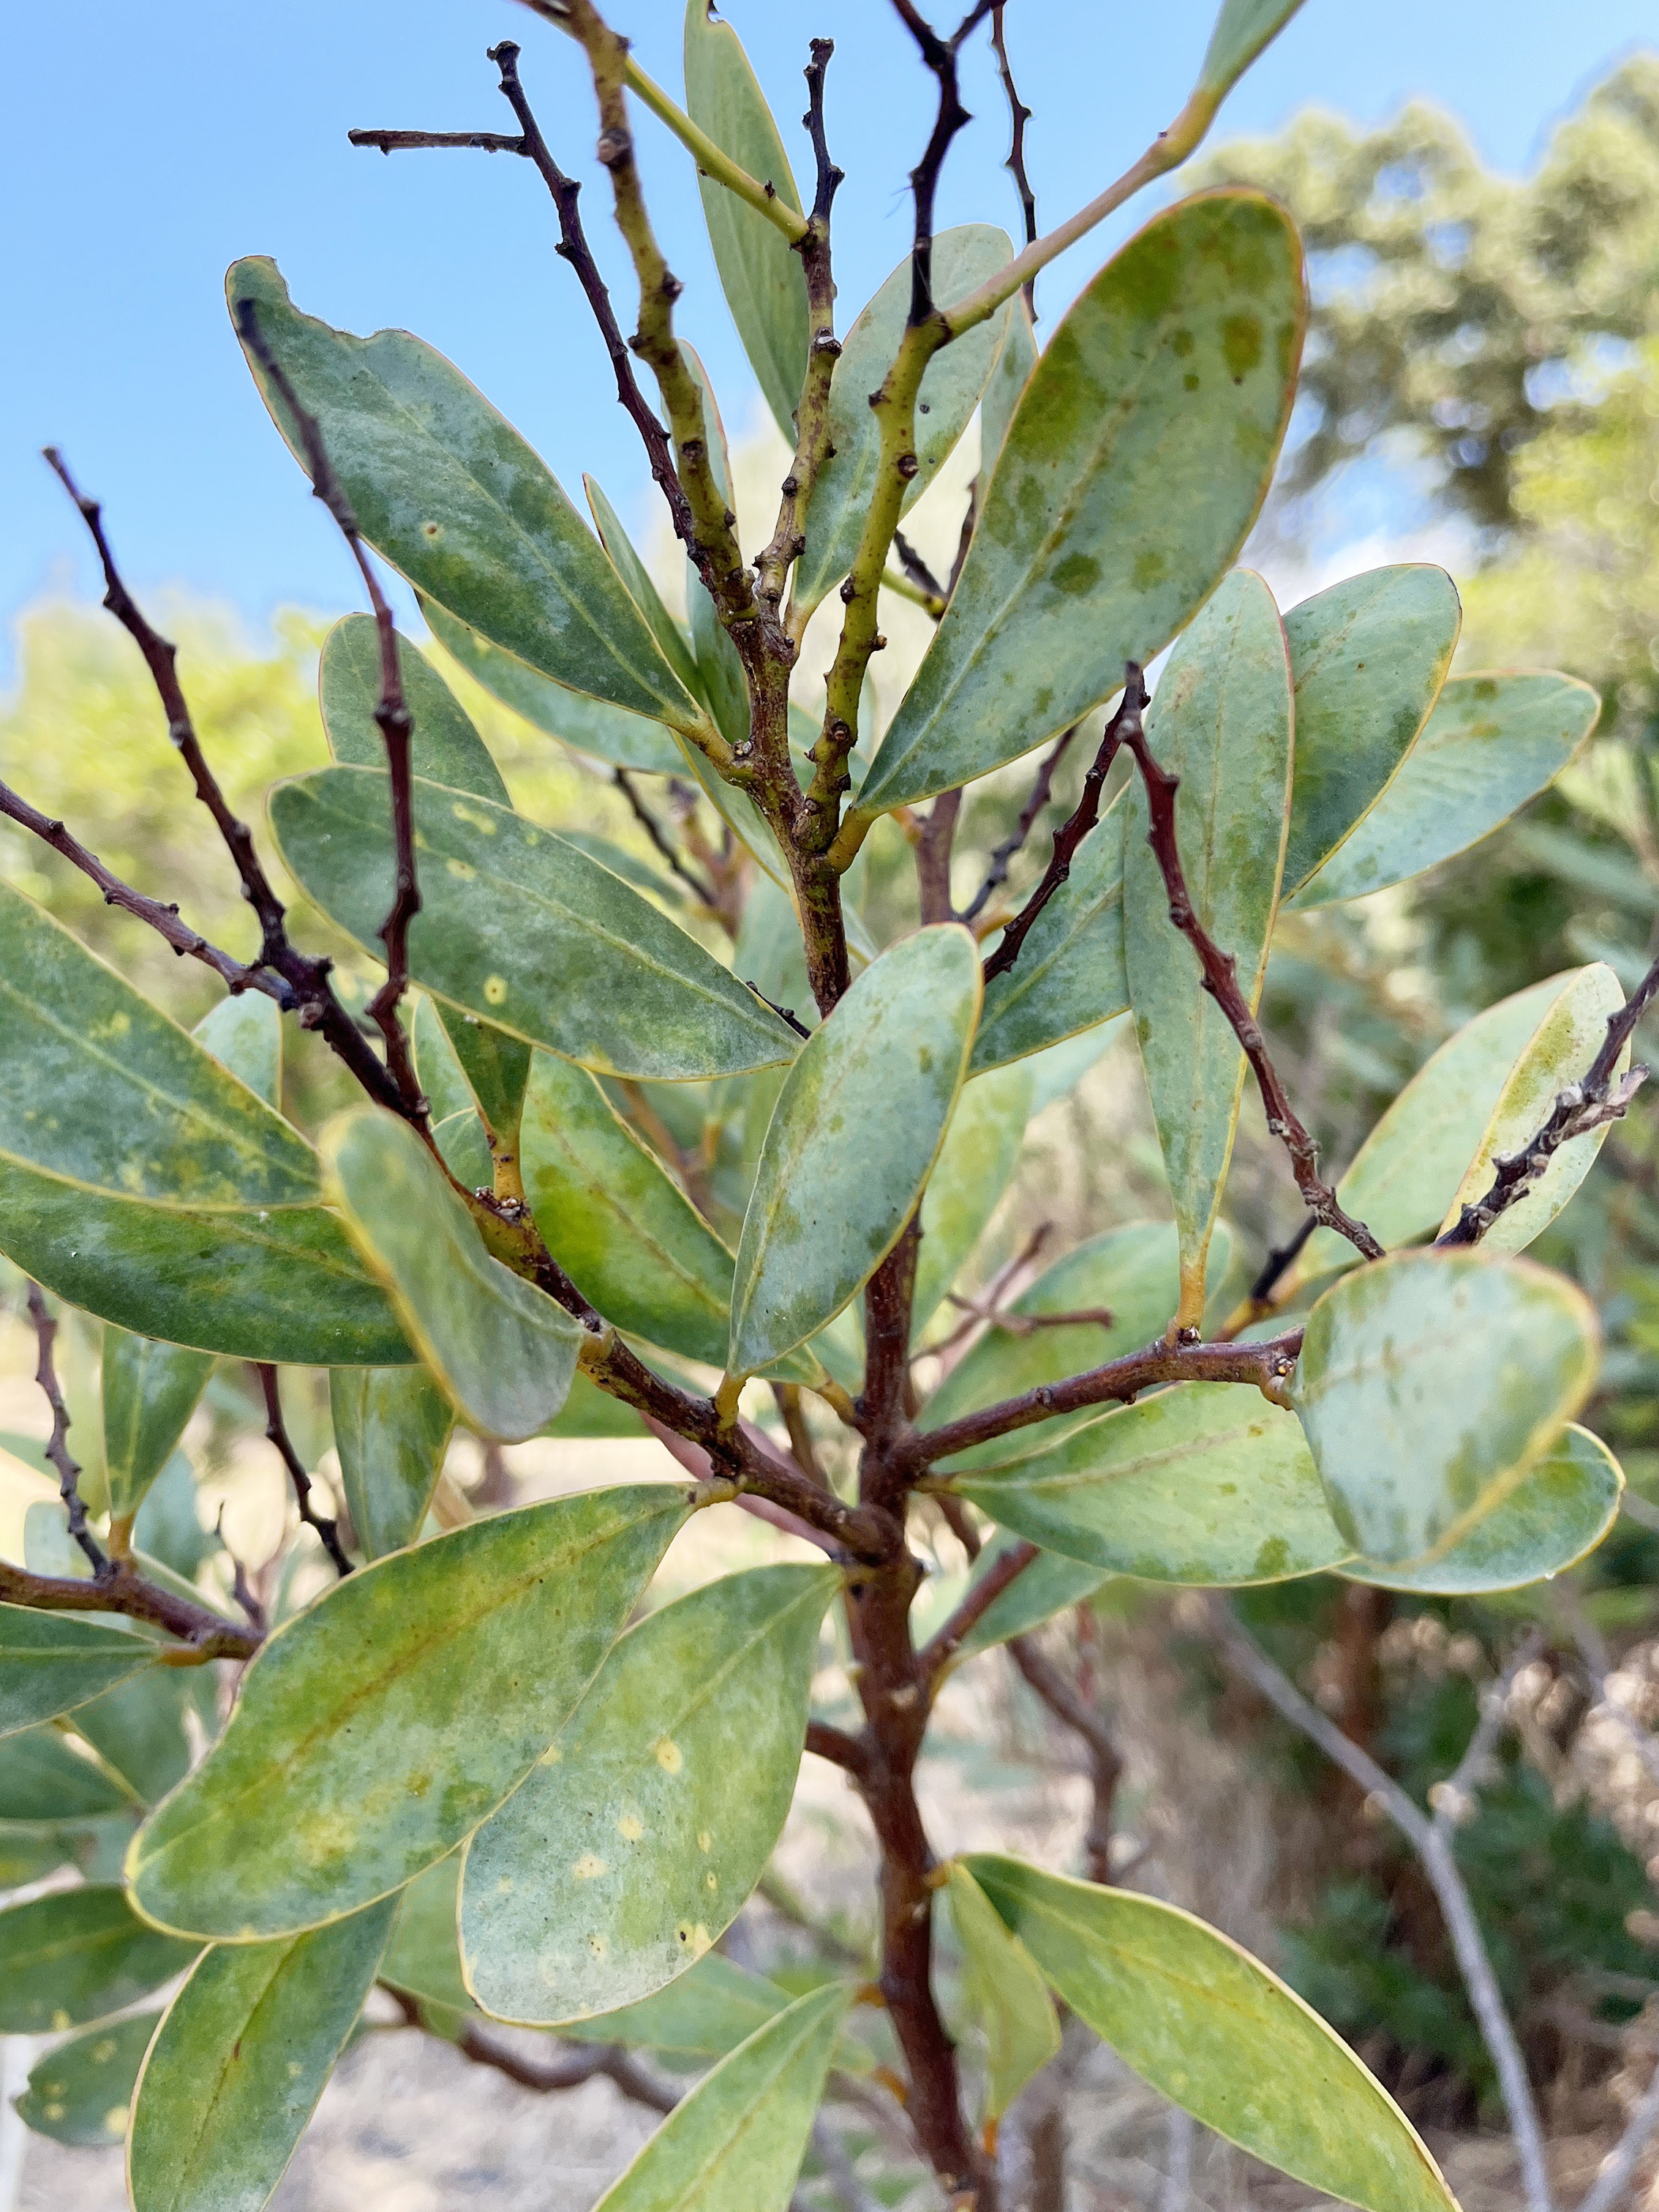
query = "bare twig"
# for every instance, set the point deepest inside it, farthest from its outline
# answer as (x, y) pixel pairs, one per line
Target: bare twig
(58, 1450)
(1105, 1762)
(1123, 726)
(940, 56)
(919, 573)
(407, 142)
(1596, 1099)
(1267, 1365)
(997, 874)
(653, 829)
(836, 1746)
(546, 2077)
(1429, 1839)
(121, 1588)
(328, 1532)
(241, 1589)
(1019, 116)
(934, 841)
(1221, 981)
(1016, 1324)
(941, 1648)
(306, 979)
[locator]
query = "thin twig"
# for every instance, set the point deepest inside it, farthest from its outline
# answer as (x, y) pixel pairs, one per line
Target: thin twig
(1221, 981)
(1019, 116)
(328, 1532)
(1124, 726)
(997, 874)
(1596, 1099)
(1105, 1761)
(407, 142)
(918, 572)
(241, 1589)
(312, 994)
(392, 718)
(653, 829)
(1431, 1841)
(836, 1746)
(122, 1588)
(940, 57)
(58, 1450)
(1016, 1324)
(942, 1647)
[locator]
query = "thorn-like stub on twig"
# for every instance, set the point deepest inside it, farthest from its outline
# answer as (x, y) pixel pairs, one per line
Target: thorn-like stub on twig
(615, 146)
(908, 467)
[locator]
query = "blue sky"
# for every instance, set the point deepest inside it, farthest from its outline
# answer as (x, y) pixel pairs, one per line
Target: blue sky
(141, 150)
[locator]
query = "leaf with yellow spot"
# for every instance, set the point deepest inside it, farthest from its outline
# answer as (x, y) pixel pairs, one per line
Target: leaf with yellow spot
(380, 1726)
(74, 1955)
(611, 1871)
(81, 2091)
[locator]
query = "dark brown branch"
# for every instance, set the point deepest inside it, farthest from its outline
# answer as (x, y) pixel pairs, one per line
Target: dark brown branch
(918, 570)
(164, 920)
(1017, 1324)
(827, 178)
(392, 718)
(1124, 724)
(1221, 981)
(1119, 1382)
(546, 2077)
(940, 57)
(1596, 1099)
(328, 1532)
(955, 1517)
(934, 840)
(1105, 1763)
(997, 874)
(936, 1655)
(122, 1588)
(58, 1450)
(653, 829)
(1019, 116)
(408, 142)
(835, 1745)
(241, 1589)
(884, 1404)
(1281, 1257)
(306, 979)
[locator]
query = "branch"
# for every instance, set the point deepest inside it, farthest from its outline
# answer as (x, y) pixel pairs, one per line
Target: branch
(931, 590)
(1267, 1365)
(653, 830)
(1124, 726)
(392, 718)
(58, 1450)
(1019, 116)
(328, 1532)
(689, 1429)
(1429, 1840)
(714, 161)
(164, 920)
(1595, 1099)
(1221, 981)
(1106, 1765)
(940, 56)
(836, 1746)
(997, 874)
(942, 1647)
(546, 2077)
(121, 1588)
(406, 141)
(306, 979)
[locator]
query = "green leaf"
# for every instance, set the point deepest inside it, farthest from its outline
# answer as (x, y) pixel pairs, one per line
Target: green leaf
(1369, 657)
(150, 1392)
(702, 2013)
(1430, 1383)
(520, 928)
(444, 746)
(424, 1954)
(957, 375)
(589, 1412)
(637, 1840)
(245, 2052)
(1208, 2025)
(502, 1349)
(626, 1236)
(44, 1778)
(139, 1728)
(590, 725)
(493, 1069)
(1492, 743)
(1129, 1273)
(1004, 1990)
(451, 495)
(76, 1955)
(51, 1662)
(1554, 1517)
(1404, 1174)
(81, 2091)
(379, 1727)
(637, 580)
(392, 1428)
(739, 2138)
(1135, 464)
(976, 1165)
(857, 1126)
(1070, 975)
(158, 1191)
(1560, 1049)
(760, 272)
(245, 1033)
(1002, 395)
(1196, 1485)
(1051, 1584)
(463, 1144)
(1242, 29)
(1221, 722)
